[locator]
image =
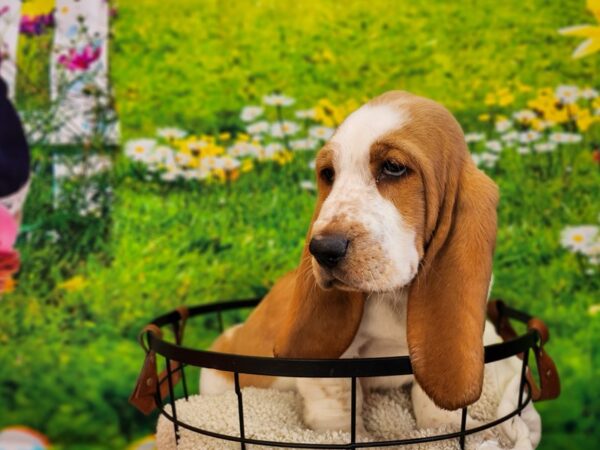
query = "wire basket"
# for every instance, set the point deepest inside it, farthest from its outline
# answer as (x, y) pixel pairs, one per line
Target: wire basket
(153, 388)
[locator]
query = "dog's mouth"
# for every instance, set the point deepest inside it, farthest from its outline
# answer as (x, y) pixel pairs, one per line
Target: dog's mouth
(366, 281)
(331, 279)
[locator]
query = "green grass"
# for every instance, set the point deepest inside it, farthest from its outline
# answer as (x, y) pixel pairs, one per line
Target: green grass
(71, 357)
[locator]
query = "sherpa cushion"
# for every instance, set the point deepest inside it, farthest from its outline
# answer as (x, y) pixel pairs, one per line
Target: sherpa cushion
(277, 415)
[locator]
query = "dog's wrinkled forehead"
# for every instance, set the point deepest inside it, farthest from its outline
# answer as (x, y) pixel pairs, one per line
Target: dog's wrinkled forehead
(353, 139)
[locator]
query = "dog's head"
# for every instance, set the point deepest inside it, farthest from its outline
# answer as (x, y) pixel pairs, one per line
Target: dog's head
(401, 206)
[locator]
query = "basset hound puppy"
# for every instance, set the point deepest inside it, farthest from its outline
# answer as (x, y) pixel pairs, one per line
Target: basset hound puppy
(398, 260)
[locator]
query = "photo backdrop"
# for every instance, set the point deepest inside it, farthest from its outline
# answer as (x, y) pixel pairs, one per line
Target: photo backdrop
(209, 191)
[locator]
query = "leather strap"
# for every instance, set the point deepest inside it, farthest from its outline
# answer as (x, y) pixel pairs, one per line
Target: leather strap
(144, 393)
(549, 386)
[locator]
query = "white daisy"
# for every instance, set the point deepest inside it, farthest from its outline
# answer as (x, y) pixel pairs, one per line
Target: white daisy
(503, 125)
(240, 149)
(153, 162)
(567, 94)
(183, 159)
(545, 147)
(511, 136)
(231, 163)
(593, 253)
(312, 164)
(272, 149)
(285, 128)
(578, 238)
(171, 133)
(139, 149)
(523, 150)
(525, 137)
(489, 159)
(320, 132)
(164, 154)
(219, 162)
(565, 138)
(525, 115)
(197, 145)
(170, 175)
(308, 185)
(304, 144)
(545, 124)
(485, 159)
(258, 127)
(61, 170)
(494, 146)
(250, 113)
(306, 113)
(278, 100)
(208, 163)
(474, 137)
(589, 93)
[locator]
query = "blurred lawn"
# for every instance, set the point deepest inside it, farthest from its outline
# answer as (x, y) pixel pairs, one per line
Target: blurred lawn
(73, 359)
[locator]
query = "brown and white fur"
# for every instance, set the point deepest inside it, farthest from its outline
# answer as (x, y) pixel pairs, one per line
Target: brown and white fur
(414, 277)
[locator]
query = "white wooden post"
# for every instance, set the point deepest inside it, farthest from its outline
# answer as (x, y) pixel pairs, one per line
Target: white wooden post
(10, 22)
(75, 109)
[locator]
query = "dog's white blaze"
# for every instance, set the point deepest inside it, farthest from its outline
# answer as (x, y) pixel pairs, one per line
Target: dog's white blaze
(355, 195)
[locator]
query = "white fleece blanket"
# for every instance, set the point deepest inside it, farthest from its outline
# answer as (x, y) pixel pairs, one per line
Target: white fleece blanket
(277, 415)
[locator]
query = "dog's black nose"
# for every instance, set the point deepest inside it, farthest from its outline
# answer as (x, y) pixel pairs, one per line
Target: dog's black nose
(329, 249)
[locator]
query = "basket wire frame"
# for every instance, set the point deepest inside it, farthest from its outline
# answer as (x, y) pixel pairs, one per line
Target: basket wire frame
(172, 352)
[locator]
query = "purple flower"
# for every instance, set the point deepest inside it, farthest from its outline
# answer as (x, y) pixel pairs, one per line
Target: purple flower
(37, 25)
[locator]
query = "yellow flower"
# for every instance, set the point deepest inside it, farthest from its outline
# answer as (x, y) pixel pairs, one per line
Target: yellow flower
(584, 119)
(503, 97)
(247, 165)
(572, 108)
(506, 99)
(219, 175)
(592, 33)
(330, 115)
(490, 99)
(537, 124)
(74, 284)
(194, 163)
(243, 137)
(283, 157)
(523, 87)
(225, 136)
(37, 7)
(556, 115)
(484, 117)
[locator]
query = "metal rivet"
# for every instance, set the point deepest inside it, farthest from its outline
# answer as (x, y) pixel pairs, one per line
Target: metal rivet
(149, 382)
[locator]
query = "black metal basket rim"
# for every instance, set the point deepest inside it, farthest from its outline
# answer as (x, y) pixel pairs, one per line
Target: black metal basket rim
(308, 368)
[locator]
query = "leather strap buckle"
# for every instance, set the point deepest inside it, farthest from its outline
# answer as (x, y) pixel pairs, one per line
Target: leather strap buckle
(549, 380)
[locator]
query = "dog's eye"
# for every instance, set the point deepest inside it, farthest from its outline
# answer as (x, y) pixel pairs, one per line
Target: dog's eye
(327, 175)
(393, 169)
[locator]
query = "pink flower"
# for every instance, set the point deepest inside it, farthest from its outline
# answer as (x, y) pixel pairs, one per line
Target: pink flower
(4, 10)
(80, 60)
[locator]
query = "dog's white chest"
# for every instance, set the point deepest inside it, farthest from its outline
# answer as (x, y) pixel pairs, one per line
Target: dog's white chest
(382, 330)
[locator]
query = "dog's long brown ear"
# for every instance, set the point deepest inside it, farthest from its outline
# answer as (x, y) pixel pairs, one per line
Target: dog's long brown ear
(319, 323)
(446, 305)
